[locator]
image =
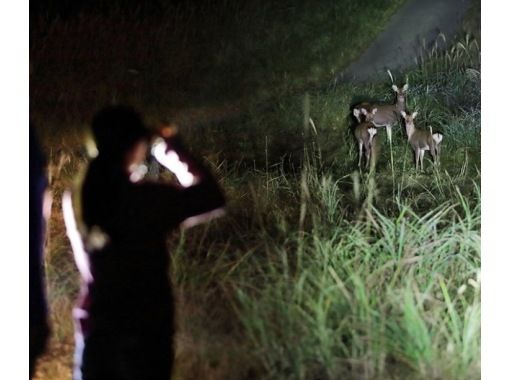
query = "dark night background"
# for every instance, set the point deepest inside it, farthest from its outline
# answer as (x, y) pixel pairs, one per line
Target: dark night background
(318, 271)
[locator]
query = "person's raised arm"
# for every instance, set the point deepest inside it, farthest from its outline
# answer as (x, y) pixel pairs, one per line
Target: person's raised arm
(202, 196)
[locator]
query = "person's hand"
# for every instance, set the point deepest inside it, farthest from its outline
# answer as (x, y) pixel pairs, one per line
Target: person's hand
(170, 133)
(167, 131)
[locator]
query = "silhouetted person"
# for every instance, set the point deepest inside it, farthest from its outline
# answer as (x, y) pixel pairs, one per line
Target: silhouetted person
(38, 310)
(124, 318)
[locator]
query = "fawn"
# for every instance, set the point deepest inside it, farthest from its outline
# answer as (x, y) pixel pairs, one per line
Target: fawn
(364, 133)
(357, 110)
(388, 114)
(422, 140)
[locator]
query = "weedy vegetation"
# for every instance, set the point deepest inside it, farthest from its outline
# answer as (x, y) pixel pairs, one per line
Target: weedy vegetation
(318, 271)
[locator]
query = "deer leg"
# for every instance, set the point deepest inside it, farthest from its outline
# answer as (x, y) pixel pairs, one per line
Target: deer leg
(360, 154)
(367, 156)
(433, 154)
(417, 157)
(438, 151)
(388, 132)
(372, 156)
(422, 153)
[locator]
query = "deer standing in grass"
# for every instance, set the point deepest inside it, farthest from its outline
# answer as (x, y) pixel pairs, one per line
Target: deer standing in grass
(364, 133)
(422, 140)
(388, 114)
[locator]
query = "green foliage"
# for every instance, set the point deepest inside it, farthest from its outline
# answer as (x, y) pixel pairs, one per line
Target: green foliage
(365, 298)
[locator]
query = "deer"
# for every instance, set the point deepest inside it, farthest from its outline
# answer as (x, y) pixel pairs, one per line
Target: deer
(357, 110)
(422, 140)
(364, 133)
(388, 114)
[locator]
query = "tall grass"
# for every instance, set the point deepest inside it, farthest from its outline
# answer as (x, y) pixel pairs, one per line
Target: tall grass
(368, 299)
(337, 276)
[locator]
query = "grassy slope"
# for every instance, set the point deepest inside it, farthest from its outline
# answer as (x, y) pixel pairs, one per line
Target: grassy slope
(307, 277)
(331, 287)
(191, 56)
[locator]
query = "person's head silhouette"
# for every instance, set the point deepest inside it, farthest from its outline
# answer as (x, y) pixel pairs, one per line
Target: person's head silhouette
(117, 130)
(121, 137)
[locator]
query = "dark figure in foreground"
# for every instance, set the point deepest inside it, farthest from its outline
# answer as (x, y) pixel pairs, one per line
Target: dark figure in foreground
(39, 330)
(124, 318)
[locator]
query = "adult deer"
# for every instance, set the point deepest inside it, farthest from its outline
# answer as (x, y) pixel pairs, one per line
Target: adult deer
(387, 114)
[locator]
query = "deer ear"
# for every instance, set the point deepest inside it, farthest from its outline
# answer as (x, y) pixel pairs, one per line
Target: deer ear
(355, 112)
(395, 88)
(374, 111)
(415, 113)
(406, 86)
(403, 113)
(364, 111)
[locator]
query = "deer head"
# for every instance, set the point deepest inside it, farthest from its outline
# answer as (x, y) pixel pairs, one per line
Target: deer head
(369, 116)
(409, 118)
(401, 93)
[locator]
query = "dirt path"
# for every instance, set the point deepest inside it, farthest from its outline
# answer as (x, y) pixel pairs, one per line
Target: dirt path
(397, 47)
